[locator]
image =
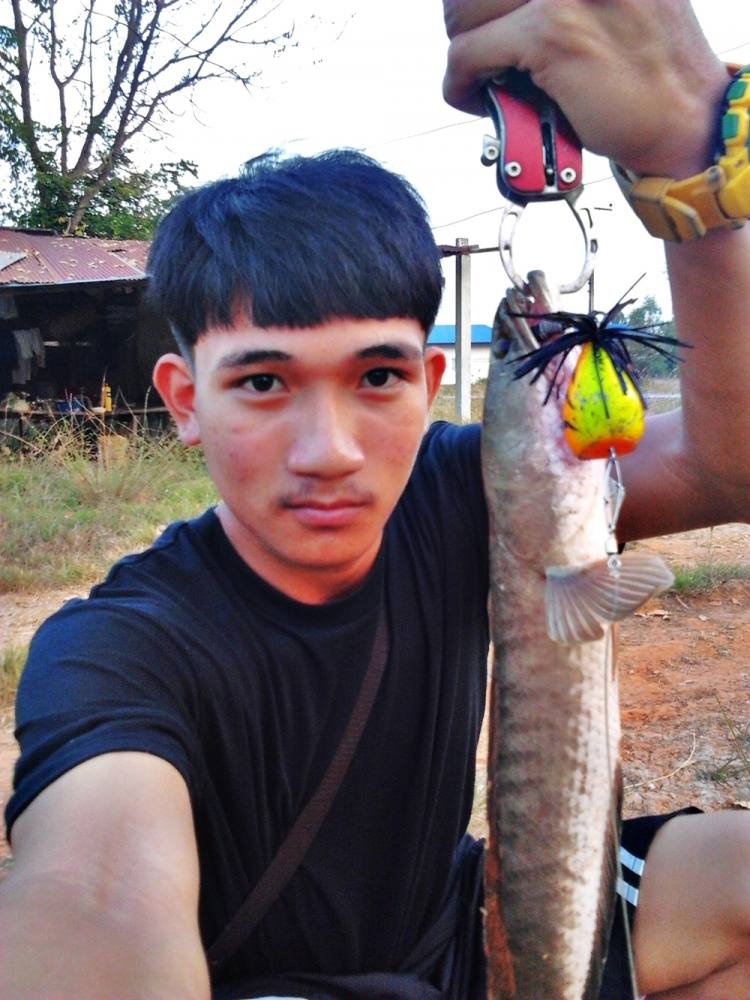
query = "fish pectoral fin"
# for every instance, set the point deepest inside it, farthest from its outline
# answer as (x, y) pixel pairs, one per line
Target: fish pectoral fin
(581, 600)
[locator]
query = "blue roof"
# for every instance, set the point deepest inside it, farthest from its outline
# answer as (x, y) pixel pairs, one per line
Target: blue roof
(445, 333)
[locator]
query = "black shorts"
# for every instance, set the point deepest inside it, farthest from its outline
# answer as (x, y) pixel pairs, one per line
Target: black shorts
(448, 963)
(636, 838)
(465, 965)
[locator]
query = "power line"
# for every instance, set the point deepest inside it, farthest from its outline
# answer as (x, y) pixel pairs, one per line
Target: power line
(466, 218)
(418, 135)
(498, 208)
(471, 121)
(734, 48)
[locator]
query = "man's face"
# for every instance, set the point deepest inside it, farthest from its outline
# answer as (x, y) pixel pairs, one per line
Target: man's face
(309, 436)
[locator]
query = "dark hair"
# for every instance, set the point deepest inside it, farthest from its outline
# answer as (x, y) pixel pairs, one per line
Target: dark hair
(296, 242)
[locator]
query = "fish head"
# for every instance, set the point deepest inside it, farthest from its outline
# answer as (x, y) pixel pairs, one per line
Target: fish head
(544, 501)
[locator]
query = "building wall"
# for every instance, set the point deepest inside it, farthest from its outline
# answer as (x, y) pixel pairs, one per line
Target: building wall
(480, 362)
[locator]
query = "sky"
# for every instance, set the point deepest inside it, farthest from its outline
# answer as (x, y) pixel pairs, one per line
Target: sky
(370, 77)
(367, 74)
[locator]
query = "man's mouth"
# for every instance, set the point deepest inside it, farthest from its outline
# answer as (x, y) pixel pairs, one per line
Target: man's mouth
(335, 513)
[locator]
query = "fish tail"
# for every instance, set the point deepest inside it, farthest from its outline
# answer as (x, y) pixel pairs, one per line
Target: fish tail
(501, 980)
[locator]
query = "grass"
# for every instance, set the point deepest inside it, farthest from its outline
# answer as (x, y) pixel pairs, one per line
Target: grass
(738, 736)
(12, 659)
(726, 773)
(707, 576)
(69, 505)
(662, 395)
(444, 407)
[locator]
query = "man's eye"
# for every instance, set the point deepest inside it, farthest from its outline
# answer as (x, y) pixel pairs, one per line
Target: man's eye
(377, 378)
(262, 382)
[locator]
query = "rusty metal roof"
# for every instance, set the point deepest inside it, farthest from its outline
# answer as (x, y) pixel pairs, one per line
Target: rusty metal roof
(35, 258)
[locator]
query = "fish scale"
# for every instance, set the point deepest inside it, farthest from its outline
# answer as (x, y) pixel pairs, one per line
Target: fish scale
(553, 771)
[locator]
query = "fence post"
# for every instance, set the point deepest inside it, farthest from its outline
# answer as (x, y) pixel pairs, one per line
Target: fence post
(463, 331)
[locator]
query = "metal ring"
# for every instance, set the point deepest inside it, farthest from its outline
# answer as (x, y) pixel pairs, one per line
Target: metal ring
(508, 223)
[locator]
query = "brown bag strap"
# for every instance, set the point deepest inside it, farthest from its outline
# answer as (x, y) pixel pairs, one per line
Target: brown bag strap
(288, 857)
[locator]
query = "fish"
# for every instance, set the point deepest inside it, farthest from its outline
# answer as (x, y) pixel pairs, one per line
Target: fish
(557, 586)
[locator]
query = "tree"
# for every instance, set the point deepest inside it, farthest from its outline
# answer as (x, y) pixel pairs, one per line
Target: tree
(646, 361)
(113, 72)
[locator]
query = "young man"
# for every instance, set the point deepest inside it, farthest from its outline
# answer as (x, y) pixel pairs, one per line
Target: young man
(173, 725)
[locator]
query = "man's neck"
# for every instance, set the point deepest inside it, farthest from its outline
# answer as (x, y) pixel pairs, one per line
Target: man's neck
(308, 585)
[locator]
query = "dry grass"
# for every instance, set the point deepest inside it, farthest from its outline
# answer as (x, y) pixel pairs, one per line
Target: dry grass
(69, 504)
(662, 395)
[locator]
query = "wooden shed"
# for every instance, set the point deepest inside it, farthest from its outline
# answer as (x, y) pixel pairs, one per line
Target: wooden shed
(73, 318)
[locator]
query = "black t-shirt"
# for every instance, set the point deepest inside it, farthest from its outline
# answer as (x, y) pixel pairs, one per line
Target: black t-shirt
(184, 652)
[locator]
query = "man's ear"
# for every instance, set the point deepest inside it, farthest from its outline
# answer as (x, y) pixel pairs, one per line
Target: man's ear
(174, 382)
(434, 365)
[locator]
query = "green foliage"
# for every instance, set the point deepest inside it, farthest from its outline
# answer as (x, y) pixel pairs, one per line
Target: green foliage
(79, 87)
(707, 576)
(128, 207)
(646, 361)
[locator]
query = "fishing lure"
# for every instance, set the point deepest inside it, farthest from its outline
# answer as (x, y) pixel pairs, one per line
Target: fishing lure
(603, 410)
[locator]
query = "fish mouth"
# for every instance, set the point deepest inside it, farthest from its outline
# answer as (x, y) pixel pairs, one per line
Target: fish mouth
(522, 322)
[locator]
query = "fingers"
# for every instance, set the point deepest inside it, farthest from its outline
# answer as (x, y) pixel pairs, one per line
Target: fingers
(461, 15)
(636, 80)
(475, 56)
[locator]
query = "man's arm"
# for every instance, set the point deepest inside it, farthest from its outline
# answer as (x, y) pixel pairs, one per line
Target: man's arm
(102, 901)
(692, 468)
(640, 85)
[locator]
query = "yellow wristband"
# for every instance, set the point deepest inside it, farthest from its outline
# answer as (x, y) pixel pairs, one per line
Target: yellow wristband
(717, 198)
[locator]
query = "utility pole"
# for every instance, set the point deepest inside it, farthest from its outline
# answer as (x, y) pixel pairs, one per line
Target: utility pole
(463, 330)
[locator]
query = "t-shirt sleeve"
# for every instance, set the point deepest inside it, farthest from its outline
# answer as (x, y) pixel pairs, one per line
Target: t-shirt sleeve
(101, 678)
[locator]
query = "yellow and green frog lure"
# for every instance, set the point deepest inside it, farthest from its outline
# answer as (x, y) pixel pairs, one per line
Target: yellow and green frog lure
(603, 410)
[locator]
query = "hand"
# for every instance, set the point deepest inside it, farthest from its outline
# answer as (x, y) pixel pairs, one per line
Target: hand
(636, 78)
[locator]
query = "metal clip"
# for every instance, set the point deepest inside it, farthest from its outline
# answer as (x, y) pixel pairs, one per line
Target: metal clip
(538, 155)
(614, 495)
(508, 224)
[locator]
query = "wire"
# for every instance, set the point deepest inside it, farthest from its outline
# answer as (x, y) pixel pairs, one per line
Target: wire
(466, 218)
(734, 48)
(418, 135)
(498, 208)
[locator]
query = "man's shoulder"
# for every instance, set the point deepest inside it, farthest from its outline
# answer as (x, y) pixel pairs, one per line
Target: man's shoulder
(442, 511)
(448, 462)
(146, 586)
(181, 546)
(444, 439)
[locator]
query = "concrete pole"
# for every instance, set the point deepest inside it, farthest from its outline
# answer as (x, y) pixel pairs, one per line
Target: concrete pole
(463, 333)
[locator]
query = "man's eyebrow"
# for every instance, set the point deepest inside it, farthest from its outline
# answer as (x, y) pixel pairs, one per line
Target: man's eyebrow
(242, 358)
(392, 350)
(396, 351)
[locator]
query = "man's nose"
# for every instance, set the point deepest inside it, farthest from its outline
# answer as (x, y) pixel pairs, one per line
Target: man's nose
(325, 442)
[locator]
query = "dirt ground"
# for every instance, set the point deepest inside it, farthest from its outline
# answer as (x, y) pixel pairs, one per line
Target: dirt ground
(684, 666)
(684, 685)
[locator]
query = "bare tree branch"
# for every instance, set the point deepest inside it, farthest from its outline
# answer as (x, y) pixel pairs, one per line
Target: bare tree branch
(24, 82)
(122, 67)
(117, 74)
